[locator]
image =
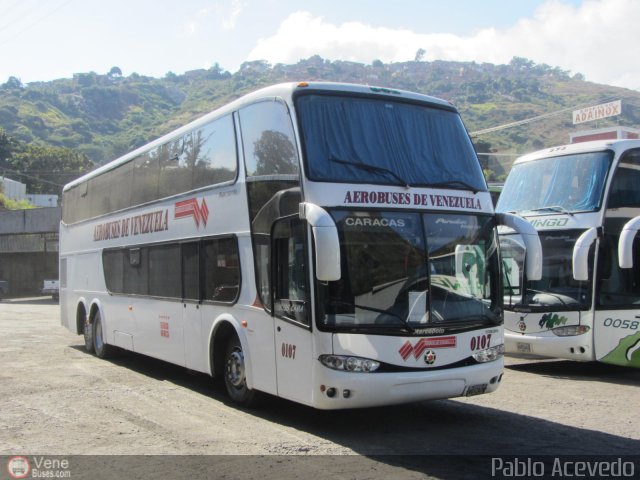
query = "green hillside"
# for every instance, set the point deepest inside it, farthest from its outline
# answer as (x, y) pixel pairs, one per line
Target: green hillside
(104, 116)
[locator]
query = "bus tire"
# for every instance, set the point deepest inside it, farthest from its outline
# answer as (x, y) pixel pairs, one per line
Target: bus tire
(235, 380)
(88, 336)
(101, 349)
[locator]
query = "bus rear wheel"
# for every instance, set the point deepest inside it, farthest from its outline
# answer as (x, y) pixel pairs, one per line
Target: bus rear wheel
(100, 347)
(87, 330)
(235, 379)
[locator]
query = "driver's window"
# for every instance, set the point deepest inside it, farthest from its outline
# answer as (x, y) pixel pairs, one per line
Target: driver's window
(623, 191)
(512, 253)
(290, 272)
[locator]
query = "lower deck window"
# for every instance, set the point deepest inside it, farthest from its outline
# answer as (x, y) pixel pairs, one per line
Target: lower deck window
(206, 270)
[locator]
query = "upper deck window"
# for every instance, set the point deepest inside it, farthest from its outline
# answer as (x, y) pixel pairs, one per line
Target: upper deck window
(268, 140)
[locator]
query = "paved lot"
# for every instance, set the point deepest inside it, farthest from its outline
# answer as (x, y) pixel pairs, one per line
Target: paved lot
(55, 399)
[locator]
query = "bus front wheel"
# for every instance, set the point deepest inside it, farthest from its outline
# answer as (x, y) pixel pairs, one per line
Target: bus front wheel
(235, 379)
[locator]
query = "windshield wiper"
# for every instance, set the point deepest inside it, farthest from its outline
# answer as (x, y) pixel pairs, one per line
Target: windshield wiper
(552, 208)
(377, 310)
(453, 183)
(372, 168)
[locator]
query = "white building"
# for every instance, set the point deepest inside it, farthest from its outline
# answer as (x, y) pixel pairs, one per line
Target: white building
(13, 189)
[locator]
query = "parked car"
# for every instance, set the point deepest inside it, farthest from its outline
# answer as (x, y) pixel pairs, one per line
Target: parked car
(51, 287)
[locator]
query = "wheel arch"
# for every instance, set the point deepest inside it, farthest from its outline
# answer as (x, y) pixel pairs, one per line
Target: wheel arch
(81, 315)
(223, 328)
(96, 306)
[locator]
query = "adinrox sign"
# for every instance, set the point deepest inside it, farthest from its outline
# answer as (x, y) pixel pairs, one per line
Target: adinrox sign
(597, 112)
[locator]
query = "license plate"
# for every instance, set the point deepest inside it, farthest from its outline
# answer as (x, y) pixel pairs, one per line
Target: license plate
(475, 390)
(524, 347)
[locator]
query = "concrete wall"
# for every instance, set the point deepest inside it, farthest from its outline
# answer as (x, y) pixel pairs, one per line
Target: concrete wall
(35, 220)
(29, 249)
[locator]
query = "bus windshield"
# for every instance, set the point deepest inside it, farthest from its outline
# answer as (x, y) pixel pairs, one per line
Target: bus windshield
(363, 140)
(409, 270)
(557, 289)
(570, 183)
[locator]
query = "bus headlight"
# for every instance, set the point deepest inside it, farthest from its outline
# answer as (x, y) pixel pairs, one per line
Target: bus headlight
(349, 364)
(490, 354)
(571, 331)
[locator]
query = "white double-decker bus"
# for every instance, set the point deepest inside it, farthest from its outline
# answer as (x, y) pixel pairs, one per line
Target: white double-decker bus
(331, 244)
(584, 200)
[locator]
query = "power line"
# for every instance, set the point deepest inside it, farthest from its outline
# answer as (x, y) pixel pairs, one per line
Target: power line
(16, 172)
(11, 7)
(34, 23)
(536, 118)
(21, 15)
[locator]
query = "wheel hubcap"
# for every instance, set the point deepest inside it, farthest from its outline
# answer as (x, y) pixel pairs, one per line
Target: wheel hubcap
(235, 368)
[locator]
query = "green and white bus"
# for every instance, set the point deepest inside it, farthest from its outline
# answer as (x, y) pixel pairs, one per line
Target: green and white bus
(584, 200)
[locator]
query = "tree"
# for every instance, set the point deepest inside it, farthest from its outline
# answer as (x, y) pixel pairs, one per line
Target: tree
(420, 55)
(521, 63)
(275, 153)
(115, 72)
(13, 83)
(7, 147)
(47, 169)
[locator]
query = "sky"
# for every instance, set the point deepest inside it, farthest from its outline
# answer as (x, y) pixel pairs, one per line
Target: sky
(42, 40)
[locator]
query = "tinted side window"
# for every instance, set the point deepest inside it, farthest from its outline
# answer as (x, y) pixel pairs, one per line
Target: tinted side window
(113, 261)
(136, 271)
(145, 179)
(191, 271)
(268, 139)
(221, 266)
(624, 190)
(71, 202)
(176, 270)
(175, 174)
(164, 271)
(215, 153)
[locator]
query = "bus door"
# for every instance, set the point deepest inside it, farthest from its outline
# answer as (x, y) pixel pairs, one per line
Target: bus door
(292, 310)
(617, 316)
(152, 271)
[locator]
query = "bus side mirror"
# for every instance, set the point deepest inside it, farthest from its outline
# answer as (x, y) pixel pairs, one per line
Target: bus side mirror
(533, 257)
(581, 254)
(325, 235)
(625, 244)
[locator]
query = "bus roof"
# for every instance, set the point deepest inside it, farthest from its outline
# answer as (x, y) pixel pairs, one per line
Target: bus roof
(573, 148)
(284, 90)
